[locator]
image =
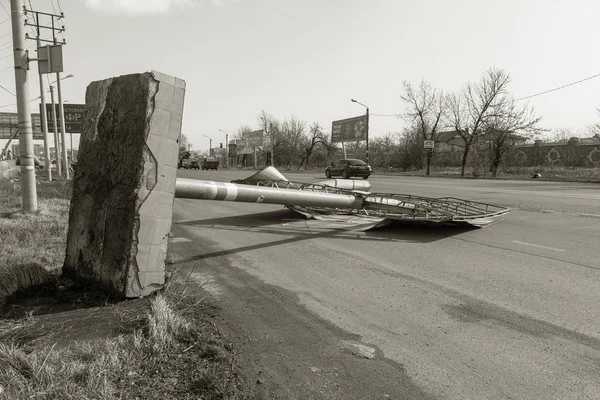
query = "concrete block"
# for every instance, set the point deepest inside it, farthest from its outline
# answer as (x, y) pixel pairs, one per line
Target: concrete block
(122, 198)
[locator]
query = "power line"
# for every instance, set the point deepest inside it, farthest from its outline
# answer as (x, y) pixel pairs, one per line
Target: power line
(2, 87)
(5, 10)
(558, 88)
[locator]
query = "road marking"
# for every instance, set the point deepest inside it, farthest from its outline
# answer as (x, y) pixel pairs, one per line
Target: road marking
(537, 245)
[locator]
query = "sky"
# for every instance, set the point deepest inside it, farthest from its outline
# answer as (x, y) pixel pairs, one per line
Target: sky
(308, 58)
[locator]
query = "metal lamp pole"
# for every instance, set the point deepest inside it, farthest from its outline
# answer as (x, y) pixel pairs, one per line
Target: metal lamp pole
(61, 151)
(367, 138)
(209, 146)
(57, 149)
(226, 147)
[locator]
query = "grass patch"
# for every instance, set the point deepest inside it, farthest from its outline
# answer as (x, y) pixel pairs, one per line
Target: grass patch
(548, 173)
(34, 238)
(60, 340)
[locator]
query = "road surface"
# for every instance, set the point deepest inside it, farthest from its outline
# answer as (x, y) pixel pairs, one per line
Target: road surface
(510, 311)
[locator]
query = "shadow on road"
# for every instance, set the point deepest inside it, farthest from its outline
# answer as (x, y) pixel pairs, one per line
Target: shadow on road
(288, 223)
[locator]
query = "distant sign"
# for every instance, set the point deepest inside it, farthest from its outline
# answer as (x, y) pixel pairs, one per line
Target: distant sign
(429, 145)
(222, 151)
(349, 130)
(254, 139)
(9, 122)
(73, 117)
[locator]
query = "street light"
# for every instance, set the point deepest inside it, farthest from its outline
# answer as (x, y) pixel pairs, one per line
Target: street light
(226, 147)
(60, 149)
(367, 136)
(209, 146)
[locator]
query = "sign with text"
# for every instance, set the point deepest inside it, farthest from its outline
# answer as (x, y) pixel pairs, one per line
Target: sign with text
(73, 117)
(349, 130)
(9, 122)
(429, 145)
(254, 139)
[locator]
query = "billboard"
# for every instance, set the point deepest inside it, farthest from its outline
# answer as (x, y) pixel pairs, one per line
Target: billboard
(9, 122)
(73, 117)
(254, 139)
(349, 130)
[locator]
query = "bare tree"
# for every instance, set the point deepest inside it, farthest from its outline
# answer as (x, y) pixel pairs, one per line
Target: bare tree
(184, 152)
(506, 125)
(314, 137)
(426, 108)
(474, 105)
(562, 135)
(595, 128)
(241, 132)
(410, 148)
(289, 143)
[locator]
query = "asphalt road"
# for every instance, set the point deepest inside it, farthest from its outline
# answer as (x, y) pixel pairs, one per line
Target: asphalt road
(510, 311)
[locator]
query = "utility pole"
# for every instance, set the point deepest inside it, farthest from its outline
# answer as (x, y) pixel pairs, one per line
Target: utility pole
(28, 184)
(226, 148)
(50, 60)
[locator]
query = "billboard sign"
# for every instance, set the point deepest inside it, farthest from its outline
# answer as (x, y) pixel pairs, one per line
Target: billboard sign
(349, 130)
(429, 145)
(9, 122)
(73, 117)
(254, 139)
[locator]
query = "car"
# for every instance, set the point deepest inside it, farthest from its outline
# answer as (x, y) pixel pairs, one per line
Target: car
(347, 168)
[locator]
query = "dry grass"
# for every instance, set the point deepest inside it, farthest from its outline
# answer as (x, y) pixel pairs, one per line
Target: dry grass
(169, 350)
(171, 356)
(37, 238)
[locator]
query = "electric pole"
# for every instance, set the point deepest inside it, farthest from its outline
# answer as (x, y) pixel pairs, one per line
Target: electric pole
(50, 60)
(28, 184)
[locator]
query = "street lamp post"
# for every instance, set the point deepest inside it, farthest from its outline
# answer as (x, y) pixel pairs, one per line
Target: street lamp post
(209, 146)
(226, 147)
(60, 150)
(367, 136)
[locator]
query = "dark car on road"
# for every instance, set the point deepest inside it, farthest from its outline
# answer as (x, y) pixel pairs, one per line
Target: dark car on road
(347, 168)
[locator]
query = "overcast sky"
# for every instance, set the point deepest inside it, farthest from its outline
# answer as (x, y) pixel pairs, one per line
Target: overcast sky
(308, 58)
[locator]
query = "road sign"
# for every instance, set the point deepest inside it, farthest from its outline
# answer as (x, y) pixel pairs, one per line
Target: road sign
(349, 130)
(73, 117)
(50, 59)
(429, 145)
(9, 122)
